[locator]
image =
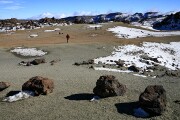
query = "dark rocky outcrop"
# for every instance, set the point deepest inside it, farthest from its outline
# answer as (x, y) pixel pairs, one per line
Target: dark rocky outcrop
(120, 63)
(38, 61)
(153, 100)
(89, 62)
(171, 22)
(108, 86)
(33, 62)
(39, 85)
(133, 68)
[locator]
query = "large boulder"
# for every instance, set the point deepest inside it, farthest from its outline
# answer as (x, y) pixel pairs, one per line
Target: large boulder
(39, 85)
(4, 85)
(108, 86)
(153, 100)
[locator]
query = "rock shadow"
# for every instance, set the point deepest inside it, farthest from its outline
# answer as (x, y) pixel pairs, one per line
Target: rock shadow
(127, 108)
(80, 96)
(11, 93)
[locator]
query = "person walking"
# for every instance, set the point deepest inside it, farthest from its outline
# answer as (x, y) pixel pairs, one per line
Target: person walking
(67, 37)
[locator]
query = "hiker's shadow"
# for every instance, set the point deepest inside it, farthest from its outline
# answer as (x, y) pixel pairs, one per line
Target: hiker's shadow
(126, 108)
(80, 96)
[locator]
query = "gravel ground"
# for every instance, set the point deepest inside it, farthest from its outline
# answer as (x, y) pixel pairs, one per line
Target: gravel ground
(74, 86)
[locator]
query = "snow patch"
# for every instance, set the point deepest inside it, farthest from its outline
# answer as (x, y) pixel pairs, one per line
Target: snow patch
(19, 96)
(129, 33)
(33, 35)
(167, 55)
(28, 51)
(111, 70)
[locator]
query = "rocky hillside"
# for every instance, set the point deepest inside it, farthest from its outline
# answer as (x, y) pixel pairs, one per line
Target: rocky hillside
(149, 19)
(171, 22)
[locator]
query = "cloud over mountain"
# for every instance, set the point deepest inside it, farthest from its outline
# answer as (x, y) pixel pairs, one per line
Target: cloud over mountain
(49, 15)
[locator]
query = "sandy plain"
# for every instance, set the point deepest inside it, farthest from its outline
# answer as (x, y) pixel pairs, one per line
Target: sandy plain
(74, 85)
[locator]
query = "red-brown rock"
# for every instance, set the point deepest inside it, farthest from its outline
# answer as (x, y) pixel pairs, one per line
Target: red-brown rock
(40, 85)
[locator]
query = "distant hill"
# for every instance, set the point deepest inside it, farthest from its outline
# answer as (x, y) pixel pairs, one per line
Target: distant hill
(171, 22)
(151, 19)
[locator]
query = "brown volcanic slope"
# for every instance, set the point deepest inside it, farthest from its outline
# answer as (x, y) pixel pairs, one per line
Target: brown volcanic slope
(79, 33)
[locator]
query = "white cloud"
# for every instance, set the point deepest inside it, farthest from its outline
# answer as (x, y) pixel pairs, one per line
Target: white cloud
(6, 2)
(15, 7)
(84, 13)
(49, 15)
(10, 5)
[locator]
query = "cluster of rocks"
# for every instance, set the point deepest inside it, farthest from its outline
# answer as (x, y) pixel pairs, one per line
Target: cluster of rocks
(89, 62)
(38, 61)
(154, 70)
(33, 62)
(14, 24)
(152, 101)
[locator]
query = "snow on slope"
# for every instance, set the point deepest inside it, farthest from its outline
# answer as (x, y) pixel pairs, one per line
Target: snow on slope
(129, 33)
(168, 55)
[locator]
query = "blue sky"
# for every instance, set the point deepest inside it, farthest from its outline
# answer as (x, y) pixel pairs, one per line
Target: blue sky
(63, 8)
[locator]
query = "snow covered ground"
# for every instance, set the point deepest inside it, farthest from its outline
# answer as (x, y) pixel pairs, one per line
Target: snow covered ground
(137, 24)
(129, 33)
(28, 51)
(167, 55)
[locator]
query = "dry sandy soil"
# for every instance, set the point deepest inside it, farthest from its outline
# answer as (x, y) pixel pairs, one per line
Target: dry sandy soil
(74, 85)
(79, 33)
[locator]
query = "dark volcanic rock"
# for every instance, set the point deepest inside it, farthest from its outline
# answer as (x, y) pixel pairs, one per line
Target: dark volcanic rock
(120, 63)
(133, 68)
(173, 73)
(39, 85)
(4, 85)
(89, 62)
(171, 22)
(153, 100)
(33, 62)
(108, 86)
(38, 61)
